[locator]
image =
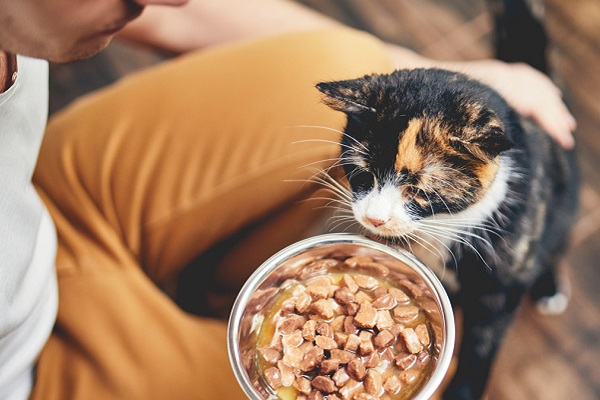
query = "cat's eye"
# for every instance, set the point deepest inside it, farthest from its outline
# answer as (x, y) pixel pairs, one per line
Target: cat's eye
(361, 180)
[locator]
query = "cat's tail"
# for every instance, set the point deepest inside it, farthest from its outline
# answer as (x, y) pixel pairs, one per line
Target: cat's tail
(519, 32)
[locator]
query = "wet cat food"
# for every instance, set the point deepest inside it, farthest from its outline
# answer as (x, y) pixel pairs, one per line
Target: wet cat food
(347, 329)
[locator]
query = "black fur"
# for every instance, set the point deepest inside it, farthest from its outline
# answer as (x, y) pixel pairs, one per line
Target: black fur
(531, 223)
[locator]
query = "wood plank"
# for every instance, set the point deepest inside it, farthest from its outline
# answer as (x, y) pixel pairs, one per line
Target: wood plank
(579, 17)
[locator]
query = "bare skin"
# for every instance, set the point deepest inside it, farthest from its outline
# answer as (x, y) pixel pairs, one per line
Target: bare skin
(8, 70)
(203, 23)
(66, 30)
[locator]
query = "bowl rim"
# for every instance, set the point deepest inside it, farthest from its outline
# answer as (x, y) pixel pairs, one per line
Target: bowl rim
(261, 273)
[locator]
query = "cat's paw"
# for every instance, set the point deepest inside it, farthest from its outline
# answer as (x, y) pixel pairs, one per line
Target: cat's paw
(553, 305)
(557, 302)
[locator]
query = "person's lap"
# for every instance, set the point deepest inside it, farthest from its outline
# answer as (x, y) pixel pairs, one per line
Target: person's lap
(146, 175)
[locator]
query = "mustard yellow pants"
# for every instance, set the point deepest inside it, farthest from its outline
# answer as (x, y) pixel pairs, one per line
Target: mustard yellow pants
(144, 176)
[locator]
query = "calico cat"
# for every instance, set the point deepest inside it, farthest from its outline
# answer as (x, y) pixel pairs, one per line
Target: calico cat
(441, 163)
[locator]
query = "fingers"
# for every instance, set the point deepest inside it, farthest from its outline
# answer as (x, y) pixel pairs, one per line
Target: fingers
(547, 107)
(556, 120)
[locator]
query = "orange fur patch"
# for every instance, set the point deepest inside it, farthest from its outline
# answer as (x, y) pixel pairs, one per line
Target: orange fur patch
(410, 156)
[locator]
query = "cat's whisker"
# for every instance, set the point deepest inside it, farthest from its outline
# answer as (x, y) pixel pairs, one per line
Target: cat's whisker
(335, 162)
(458, 232)
(333, 130)
(434, 250)
(439, 197)
(344, 146)
(459, 239)
(328, 181)
(488, 228)
(350, 223)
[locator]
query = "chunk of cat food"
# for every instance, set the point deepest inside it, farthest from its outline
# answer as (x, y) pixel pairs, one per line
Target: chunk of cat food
(342, 355)
(372, 360)
(383, 339)
(366, 347)
(293, 356)
(405, 360)
(344, 296)
(366, 282)
(406, 312)
(373, 268)
(303, 302)
(373, 382)
(270, 355)
(328, 366)
(351, 309)
(348, 336)
(318, 292)
(423, 334)
(315, 395)
(349, 389)
(309, 330)
(348, 282)
(356, 369)
(340, 377)
(366, 317)
(324, 384)
(288, 308)
(411, 340)
(324, 329)
(287, 373)
(311, 359)
(409, 376)
(384, 302)
(273, 377)
(303, 385)
(337, 324)
(322, 308)
(398, 295)
(392, 384)
(352, 342)
(353, 262)
(384, 320)
(294, 339)
(326, 343)
(340, 338)
(290, 324)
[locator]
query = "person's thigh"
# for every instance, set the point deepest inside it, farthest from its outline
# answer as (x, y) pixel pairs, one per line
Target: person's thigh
(156, 169)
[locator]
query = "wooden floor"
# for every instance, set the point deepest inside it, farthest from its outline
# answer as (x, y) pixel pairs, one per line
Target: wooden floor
(546, 358)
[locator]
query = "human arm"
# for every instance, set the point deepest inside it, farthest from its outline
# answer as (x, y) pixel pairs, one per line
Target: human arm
(204, 23)
(529, 91)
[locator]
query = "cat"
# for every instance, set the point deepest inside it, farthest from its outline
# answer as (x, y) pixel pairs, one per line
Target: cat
(439, 161)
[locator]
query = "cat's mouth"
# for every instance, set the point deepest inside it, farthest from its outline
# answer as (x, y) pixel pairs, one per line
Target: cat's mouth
(386, 228)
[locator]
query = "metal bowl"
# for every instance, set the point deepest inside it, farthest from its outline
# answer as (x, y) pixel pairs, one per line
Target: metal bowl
(265, 283)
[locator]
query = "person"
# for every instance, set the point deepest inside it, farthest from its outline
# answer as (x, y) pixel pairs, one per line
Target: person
(135, 181)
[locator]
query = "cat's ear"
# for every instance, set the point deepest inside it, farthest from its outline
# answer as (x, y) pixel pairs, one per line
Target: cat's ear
(483, 141)
(346, 96)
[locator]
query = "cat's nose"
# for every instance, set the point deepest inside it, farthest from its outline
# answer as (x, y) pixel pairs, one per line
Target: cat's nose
(375, 221)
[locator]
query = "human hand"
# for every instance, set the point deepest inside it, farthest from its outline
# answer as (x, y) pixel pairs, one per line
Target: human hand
(527, 90)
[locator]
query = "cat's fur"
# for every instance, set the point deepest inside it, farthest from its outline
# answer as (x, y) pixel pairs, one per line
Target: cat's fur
(442, 162)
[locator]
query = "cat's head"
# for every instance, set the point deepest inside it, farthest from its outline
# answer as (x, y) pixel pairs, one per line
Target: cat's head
(419, 144)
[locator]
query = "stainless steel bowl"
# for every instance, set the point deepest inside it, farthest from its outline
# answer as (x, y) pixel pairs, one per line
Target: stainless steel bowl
(264, 284)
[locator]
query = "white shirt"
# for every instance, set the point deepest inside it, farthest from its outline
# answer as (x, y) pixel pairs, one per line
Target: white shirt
(28, 288)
